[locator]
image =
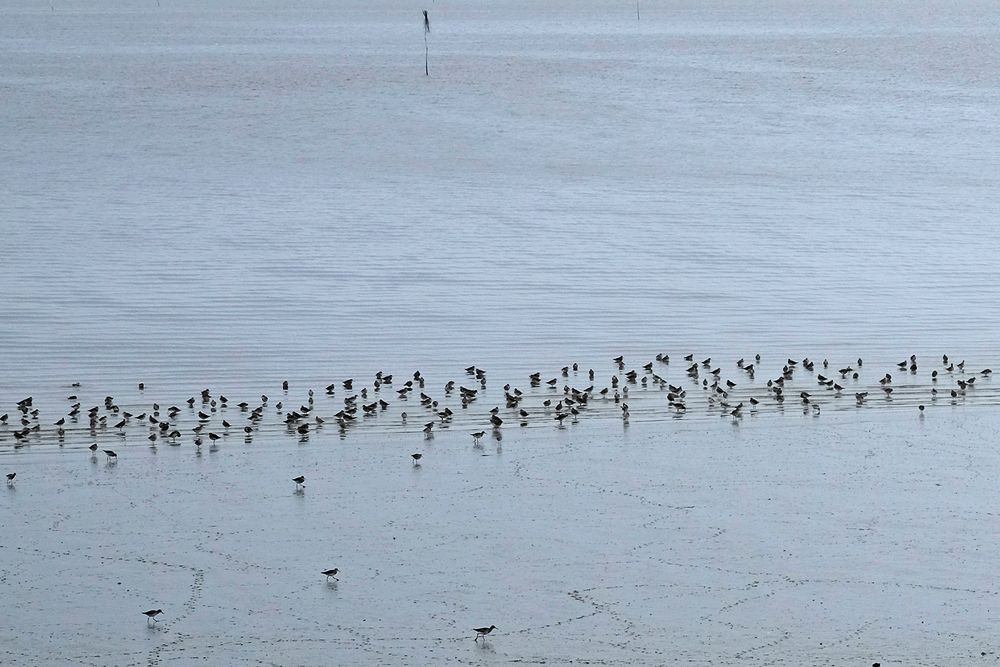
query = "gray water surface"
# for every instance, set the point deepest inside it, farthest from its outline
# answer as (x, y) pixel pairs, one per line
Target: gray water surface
(201, 193)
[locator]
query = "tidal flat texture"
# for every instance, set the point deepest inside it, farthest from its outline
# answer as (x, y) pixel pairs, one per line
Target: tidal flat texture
(838, 540)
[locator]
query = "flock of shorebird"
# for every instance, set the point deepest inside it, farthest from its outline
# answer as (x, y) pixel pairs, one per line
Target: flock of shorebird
(210, 418)
(212, 413)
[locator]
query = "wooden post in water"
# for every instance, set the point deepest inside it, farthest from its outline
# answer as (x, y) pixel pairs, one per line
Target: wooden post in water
(427, 29)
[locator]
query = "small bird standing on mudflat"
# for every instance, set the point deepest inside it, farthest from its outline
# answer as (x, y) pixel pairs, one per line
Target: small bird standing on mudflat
(10, 478)
(482, 632)
(416, 458)
(331, 573)
(152, 614)
(299, 481)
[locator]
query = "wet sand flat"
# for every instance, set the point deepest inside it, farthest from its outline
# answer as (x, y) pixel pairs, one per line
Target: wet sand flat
(837, 540)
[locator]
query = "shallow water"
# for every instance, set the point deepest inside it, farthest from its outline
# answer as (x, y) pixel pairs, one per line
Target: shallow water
(225, 195)
(196, 194)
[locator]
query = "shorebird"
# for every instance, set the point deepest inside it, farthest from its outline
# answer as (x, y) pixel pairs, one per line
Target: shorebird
(477, 435)
(299, 481)
(10, 478)
(416, 458)
(152, 614)
(93, 448)
(331, 573)
(111, 455)
(482, 632)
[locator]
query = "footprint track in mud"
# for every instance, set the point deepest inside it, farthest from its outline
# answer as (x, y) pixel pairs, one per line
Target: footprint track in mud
(197, 587)
(608, 609)
(597, 488)
(232, 561)
(745, 653)
(851, 636)
(778, 583)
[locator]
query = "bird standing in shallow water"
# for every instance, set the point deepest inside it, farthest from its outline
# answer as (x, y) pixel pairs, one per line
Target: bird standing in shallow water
(10, 478)
(299, 481)
(152, 614)
(482, 632)
(416, 458)
(331, 573)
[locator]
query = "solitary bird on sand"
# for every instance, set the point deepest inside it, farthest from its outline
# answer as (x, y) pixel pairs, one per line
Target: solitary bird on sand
(482, 632)
(416, 458)
(299, 481)
(331, 573)
(10, 478)
(152, 614)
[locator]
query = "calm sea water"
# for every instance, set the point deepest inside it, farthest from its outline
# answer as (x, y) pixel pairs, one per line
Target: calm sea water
(231, 193)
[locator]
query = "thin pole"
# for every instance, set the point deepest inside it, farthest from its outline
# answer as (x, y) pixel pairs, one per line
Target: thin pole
(427, 29)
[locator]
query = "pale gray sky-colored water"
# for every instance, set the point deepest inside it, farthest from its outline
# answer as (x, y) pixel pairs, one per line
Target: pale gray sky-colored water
(209, 192)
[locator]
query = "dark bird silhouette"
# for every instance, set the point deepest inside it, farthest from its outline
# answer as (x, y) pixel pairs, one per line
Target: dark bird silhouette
(299, 481)
(482, 632)
(331, 574)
